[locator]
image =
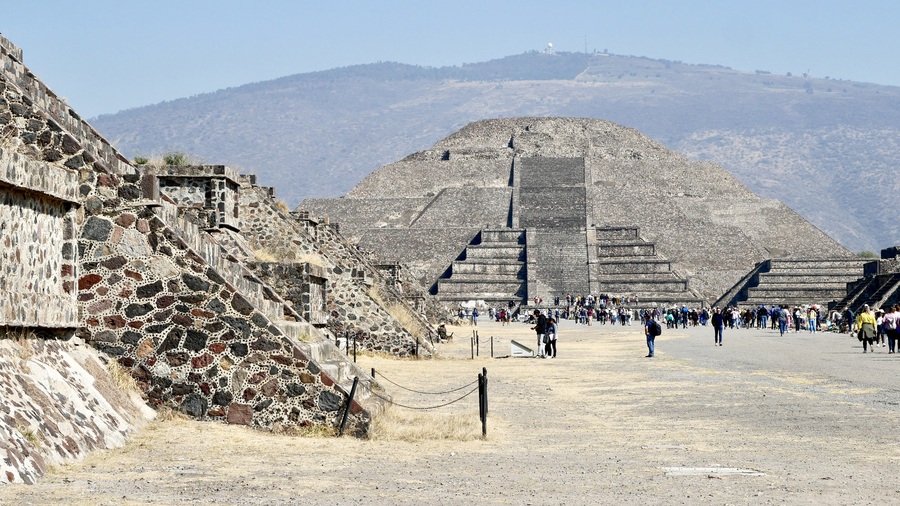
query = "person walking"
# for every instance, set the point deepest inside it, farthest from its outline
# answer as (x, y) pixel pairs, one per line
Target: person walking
(540, 327)
(865, 323)
(718, 324)
(891, 325)
(550, 349)
(812, 320)
(652, 328)
(783, 316)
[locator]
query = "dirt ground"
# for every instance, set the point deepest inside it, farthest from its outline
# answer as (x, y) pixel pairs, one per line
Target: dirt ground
(761, 420)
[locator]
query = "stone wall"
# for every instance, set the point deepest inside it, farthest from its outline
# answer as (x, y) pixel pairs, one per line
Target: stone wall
(192, 340)
(357, 295)
(303, 284)
(37, 243)
(466, 207)
(209, 189)
(58, 404)
(426, 252)
(427, 173)
(148, 283)
(355, 216)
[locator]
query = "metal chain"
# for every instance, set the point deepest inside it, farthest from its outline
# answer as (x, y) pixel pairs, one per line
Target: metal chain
(380, 375)
(423, 408)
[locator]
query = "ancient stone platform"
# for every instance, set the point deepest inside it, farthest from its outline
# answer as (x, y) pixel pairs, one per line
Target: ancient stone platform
(570, 183)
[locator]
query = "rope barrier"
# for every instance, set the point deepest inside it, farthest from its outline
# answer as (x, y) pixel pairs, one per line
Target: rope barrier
(426, 407)
(381, 375)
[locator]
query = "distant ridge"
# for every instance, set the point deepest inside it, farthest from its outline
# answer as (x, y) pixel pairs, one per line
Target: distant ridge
(824, 147)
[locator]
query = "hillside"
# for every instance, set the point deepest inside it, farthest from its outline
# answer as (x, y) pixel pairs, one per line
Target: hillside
(824, 147)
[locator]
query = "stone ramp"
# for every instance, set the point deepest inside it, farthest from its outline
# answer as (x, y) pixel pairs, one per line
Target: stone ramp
(628, 265)
(493, 269)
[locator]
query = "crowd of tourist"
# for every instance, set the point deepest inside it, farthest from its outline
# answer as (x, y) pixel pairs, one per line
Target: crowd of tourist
(873, 327)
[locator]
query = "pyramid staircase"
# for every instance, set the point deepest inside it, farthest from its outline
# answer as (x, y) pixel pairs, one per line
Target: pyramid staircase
(796, 282)
(876, 291)
(628, 265)
(492, 270)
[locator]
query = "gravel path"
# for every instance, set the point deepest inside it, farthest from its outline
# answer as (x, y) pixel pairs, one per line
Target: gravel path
(803, 419)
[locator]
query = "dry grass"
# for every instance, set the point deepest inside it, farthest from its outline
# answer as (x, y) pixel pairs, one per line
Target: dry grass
(29, 435)
(166, 414)
(121, 377)
(397, 425)
(401, 314)
(404, 317)
(265, 255)
(282, 206)
(308, 258)
(271, 256)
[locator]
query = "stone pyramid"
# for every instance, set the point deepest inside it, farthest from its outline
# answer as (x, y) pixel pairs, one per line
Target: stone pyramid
(513, 209)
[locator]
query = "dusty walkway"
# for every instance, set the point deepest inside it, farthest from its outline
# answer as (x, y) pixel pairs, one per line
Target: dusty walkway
(746, 423)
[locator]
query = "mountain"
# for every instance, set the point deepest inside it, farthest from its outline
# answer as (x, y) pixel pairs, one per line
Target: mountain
(824, 147)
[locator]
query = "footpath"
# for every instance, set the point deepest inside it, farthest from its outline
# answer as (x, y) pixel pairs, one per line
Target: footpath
(764, 419)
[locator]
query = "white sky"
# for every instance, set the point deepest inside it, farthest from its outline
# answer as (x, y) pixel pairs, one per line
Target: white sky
(109, 55)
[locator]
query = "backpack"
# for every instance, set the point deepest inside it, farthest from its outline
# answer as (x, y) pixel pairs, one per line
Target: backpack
(655, 328)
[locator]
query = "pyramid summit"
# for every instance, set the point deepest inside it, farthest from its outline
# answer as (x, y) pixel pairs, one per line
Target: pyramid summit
(518, 208)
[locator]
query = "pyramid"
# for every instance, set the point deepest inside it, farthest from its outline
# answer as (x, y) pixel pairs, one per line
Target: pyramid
(519, 208)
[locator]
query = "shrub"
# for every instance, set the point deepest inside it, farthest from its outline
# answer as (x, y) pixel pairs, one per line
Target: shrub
(175, 158)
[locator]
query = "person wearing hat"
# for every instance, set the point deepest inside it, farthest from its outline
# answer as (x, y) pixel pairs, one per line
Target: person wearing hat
(865, 322)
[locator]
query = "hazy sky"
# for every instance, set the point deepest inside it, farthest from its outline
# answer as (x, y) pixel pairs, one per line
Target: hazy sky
(108, 55)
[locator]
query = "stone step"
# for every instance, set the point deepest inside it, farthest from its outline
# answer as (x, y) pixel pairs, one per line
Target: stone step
(515, 236)
(633, 265)
(491, 261)
(481, 251)
(778, 301)
(451, 286)
(493, 297)
(298, 331)
(804, 271)
(340, 367)
(473, 267)
(626, 249)
(810, 293)
(487, 277)
(804, 263)
(637, 277)
(805, 285)
(668, 299)
(616, 233)
(673, 285)
(782, 277)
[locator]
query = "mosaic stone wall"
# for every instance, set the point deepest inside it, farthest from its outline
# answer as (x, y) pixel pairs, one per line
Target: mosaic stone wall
(36, 261)
(351, 309)
(191, 340)
(58, 404)
(210, 189)
(300, 283)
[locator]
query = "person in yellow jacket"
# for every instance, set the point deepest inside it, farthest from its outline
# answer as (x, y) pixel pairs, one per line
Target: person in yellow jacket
(865, 322)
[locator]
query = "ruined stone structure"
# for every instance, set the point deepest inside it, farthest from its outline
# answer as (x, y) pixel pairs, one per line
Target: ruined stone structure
(514, 209)
(879, 286)
(148, 265)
